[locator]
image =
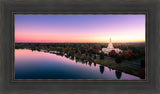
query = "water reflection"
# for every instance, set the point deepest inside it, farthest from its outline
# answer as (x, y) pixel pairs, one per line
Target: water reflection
(72, 57)
(118, 74)
(109, 69)
(46, 64)
(83, 61)
(95, 64)
(77, 59)
(90, 63)
(101, 68)
(67, 56)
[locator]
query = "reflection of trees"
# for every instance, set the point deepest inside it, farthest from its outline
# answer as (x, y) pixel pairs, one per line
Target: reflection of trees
(67, 56)
(60, 54)
(72, 57)
(77, 59)
(90, 63)
(33, 49)
(83, 62)
(101, 69)
(38, 49)
(118, 74)
(86, 62)
(109, 69)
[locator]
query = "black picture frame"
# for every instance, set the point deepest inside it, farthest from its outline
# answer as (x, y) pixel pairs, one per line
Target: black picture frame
(149, 86)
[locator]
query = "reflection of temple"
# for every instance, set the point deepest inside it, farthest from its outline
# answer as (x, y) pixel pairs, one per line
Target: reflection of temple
(110, 48)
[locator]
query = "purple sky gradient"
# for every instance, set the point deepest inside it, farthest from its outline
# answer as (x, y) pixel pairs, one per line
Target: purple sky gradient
(79, 28)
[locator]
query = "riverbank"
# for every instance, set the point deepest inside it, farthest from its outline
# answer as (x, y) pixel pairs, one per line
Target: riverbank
(123, 67)
(120, 67)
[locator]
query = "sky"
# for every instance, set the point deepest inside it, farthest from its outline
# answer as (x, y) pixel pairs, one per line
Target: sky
(86, 28)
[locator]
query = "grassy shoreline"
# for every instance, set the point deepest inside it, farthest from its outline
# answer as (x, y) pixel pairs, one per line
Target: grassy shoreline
(120, 67)
(112, 65)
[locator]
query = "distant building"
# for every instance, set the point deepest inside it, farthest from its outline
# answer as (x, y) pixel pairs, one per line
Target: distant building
(110, 48)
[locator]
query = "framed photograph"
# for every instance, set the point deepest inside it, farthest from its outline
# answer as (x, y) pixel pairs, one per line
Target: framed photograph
(79, 46)
(66, 47)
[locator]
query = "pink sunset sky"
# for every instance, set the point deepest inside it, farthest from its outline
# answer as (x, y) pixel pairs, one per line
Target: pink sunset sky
(79, 28)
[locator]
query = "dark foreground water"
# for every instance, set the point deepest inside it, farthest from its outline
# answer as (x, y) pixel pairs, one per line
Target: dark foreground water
(40, 65)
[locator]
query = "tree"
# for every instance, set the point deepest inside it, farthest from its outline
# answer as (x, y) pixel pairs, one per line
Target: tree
(60, 49)
(102, 55)
(71, 52)
(83, 56)
(128, 54)
(90, 59)
(86, 54)
(112, 53)
(79, 55)
(83, 51)
(90, 54)
(115, 46)
(98, 47)
(90, 50)
(95, 51)
(76, 50)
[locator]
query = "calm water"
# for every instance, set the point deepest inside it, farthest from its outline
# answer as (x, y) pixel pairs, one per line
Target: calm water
(41, 65)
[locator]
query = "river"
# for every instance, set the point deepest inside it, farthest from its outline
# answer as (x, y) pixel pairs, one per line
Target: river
(42, 65)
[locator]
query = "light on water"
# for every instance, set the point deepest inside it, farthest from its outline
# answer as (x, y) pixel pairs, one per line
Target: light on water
(43, 65)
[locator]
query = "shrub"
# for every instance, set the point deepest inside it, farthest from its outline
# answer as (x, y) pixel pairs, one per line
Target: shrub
(128, 54)
(102, 55)
(112, 53)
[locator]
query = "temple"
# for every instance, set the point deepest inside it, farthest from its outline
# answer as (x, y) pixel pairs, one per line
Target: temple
(110, 48)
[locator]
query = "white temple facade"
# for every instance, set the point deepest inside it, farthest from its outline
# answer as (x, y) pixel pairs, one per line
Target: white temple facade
(110, 48)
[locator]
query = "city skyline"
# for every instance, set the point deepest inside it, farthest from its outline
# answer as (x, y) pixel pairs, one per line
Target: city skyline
(79, 28)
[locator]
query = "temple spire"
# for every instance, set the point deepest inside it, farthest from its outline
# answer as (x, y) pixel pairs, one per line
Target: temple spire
(110, 48)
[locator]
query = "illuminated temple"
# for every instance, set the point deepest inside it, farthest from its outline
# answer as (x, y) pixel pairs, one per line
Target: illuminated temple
(110, 48)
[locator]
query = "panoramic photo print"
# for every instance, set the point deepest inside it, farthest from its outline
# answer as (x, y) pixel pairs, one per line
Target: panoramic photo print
(74, 46)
